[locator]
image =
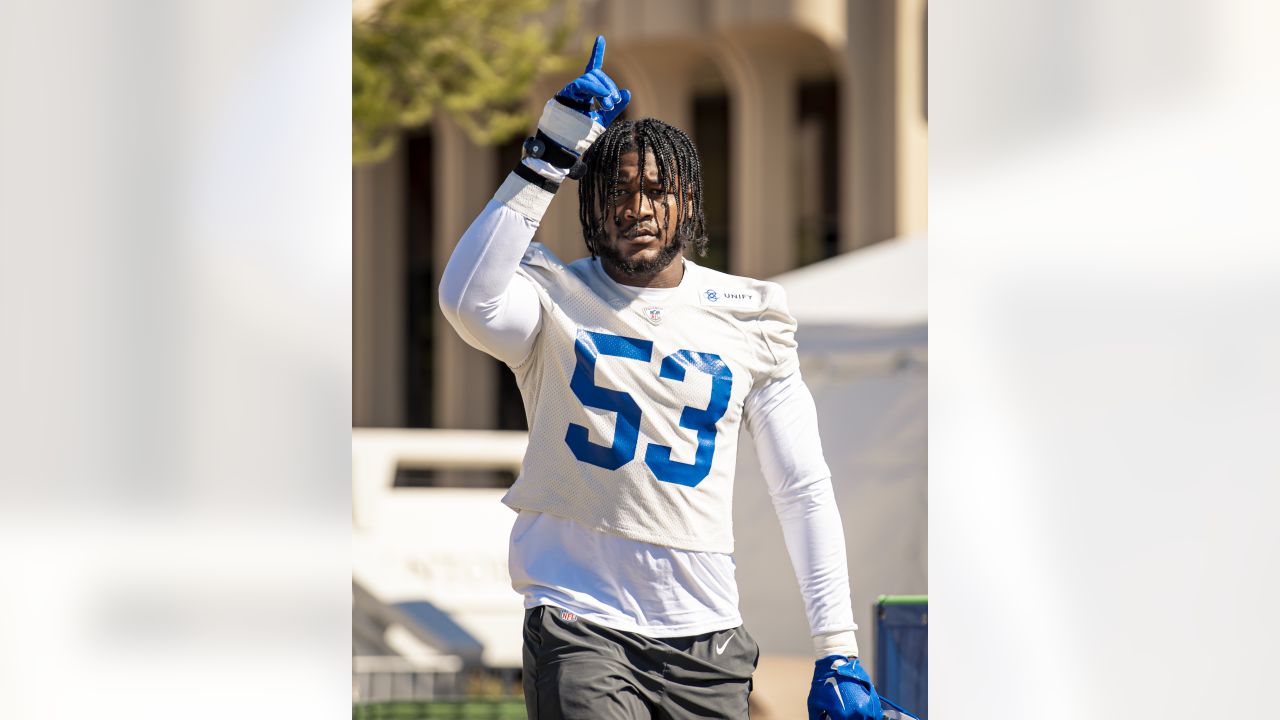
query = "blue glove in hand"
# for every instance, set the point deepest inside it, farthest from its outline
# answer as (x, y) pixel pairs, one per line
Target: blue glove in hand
(593, 84)
(842, 690)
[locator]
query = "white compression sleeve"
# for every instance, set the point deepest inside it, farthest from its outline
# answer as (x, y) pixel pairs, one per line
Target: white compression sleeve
(783, 422)
(493, 308)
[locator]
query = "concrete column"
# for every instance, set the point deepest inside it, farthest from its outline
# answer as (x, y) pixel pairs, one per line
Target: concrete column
(465, 382)
(659, 83)
(560, 229)
(912, 149)
(377, 353)
(762, 140)
(869, 103)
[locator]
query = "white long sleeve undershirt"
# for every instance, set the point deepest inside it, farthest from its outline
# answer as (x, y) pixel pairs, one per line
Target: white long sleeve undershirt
(496, 310)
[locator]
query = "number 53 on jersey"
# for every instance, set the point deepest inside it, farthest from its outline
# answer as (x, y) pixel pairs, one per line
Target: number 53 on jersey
(674, 368)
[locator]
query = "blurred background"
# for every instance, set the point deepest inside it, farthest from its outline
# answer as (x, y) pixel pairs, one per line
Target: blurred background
(176, 375)
(811, 122)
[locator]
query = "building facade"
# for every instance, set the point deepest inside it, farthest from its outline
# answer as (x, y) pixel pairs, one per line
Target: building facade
(811, 120)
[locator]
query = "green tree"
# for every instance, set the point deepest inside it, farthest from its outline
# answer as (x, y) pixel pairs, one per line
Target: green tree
(472, 59)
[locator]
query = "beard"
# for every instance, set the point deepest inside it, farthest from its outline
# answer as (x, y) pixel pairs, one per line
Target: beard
(636, 268)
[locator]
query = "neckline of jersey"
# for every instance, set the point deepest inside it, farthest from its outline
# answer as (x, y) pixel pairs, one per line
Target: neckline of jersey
(647, 294)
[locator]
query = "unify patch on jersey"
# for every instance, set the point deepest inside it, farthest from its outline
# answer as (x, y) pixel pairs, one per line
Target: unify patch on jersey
(718, 297)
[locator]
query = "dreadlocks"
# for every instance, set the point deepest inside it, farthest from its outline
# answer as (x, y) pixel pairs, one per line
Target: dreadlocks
(677, 160)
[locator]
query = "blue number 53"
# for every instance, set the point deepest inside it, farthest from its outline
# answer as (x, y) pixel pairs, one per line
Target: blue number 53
(591, 345)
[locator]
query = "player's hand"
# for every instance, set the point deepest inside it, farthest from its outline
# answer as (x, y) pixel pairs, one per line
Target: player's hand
(593, 93)
(842, 690)
(577, 115)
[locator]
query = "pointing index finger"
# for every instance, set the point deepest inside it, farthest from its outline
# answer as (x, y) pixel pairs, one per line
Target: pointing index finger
(597, 55)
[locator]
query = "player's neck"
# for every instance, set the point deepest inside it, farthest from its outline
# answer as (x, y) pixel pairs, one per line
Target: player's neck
(668, 277)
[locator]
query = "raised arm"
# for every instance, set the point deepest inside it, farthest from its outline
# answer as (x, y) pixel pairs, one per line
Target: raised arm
(492, 307)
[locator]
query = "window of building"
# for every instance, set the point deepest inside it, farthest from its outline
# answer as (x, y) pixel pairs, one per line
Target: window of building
(817, 168)
(419, 284)
(420, 478)
(711, 135)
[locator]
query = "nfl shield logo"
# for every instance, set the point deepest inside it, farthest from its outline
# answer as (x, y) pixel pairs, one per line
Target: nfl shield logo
(653, 314)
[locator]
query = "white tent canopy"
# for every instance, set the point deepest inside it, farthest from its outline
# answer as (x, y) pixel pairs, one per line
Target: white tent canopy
(884, 285)
(863, 353)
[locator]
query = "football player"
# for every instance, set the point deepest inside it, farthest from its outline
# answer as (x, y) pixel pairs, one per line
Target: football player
(638, 369)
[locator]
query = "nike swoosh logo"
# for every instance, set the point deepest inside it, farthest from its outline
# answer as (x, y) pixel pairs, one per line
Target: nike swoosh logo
(720, 648)
(836, 686)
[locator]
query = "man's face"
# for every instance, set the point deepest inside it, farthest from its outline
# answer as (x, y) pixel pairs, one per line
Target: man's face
(640, 234)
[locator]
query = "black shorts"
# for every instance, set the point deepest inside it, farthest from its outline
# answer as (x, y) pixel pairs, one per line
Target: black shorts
(578, 670)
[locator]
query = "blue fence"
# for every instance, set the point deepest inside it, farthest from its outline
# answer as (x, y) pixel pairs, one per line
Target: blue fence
(902, 651)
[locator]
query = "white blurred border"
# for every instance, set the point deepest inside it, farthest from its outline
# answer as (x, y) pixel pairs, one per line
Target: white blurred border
(176, 322)
(1104, 288)
(175, 312)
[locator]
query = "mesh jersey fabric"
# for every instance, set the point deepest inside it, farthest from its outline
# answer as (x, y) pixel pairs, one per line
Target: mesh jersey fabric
(635, 405)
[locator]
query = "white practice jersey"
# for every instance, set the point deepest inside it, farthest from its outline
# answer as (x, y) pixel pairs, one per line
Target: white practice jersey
(635, 397)
(634, 406)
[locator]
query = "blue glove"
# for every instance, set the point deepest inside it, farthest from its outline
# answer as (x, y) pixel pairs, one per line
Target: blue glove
(593, 84)
(842, 690)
